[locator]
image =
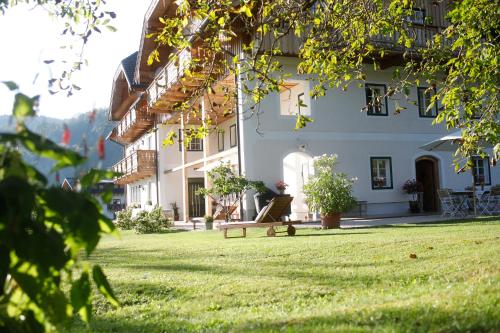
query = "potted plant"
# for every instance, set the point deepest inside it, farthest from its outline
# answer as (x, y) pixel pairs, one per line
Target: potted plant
(329, 192)
(209, 222)
(281, 187)
(228, 188)
(175, 208)
(412, 187)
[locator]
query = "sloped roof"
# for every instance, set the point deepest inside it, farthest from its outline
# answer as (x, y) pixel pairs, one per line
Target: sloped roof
(69, 183)
(129, 64)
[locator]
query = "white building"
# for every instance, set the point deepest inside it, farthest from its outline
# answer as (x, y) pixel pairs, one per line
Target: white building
(378, 147)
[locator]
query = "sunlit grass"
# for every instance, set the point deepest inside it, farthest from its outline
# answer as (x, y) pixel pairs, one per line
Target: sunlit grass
(340, 280)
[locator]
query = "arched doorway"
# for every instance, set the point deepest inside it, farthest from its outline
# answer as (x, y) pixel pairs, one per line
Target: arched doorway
(297, 167)
(427, 173)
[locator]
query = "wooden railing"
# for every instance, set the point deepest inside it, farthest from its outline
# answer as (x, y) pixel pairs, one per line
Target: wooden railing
(168, 76)
(138, 165)
(290, 44)
(135, 123)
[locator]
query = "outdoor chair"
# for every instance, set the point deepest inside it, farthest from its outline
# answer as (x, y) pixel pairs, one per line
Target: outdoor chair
(452, 205)
(270, 216)
(489, 203)
(221, 215)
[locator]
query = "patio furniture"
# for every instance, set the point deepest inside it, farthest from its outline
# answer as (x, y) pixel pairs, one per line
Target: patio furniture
(269, 217)
(220, 213)
(489, 203)
(453, 204)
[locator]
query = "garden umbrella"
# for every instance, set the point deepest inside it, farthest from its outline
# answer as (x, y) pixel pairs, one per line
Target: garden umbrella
(450, 143)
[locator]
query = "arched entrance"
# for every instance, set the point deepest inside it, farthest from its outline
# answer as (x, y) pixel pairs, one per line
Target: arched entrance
(297, 167)
(427, 173)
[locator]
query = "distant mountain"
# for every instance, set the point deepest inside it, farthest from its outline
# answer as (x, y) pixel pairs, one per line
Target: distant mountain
(80, 128)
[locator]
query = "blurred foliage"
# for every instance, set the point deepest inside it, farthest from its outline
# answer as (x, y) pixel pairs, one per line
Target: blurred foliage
(43, 230)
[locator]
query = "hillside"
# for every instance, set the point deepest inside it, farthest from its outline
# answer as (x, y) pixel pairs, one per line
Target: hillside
(80, 127)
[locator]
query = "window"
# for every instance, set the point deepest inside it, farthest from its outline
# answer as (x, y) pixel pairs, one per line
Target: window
(424, 100)
(149, 192)
(135, 195)
(376, 99)
(233, 140)
(381, 171)
(417, 16)
(294, 98)
(220, 140)
(195, 144)
(481, 171)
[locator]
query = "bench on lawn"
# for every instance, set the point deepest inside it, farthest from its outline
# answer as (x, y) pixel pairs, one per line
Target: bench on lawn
(269, 217)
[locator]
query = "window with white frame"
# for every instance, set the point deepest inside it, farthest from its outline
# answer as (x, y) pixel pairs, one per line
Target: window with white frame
(425, 95)
(135, 194)
(376, 99)
(194, 144)
(381, 173)
(482, 171)
(294, 98)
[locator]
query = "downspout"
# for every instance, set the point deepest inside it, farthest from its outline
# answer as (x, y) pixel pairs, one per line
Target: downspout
(157, 163)
(238, 142)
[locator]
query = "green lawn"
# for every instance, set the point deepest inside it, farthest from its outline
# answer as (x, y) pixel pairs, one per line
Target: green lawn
(321, 281)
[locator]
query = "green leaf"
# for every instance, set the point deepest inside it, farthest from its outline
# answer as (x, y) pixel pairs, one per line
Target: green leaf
(44, 148)
(80, 296)
(11, 85)
(103, 285)
(24, 106)
(93, 176)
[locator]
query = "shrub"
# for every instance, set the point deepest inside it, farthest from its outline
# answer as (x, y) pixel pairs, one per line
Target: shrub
(328, 191)
(124, 219)
(151, 222)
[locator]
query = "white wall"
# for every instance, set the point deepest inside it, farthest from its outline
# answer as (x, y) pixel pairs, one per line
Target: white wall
(339, 127)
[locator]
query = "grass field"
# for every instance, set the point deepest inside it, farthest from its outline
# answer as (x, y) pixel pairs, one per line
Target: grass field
(321, 281)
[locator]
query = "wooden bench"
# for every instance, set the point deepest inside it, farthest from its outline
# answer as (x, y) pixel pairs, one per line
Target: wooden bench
(271, 232)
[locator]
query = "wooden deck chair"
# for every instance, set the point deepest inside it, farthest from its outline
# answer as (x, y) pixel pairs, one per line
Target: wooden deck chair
(274, 210)
(221, 215)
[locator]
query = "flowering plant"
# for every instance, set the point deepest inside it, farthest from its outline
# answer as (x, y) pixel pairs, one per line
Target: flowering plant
(412, 187)
(281, 185)
(328, 191)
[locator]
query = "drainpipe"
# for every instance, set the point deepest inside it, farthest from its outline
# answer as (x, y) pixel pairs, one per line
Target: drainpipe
(238, 142)
(157, 163)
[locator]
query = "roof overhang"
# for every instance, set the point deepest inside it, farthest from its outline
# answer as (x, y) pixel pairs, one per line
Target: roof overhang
(144, 73)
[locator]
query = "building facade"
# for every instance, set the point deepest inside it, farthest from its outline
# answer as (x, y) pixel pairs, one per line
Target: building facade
(378, 147)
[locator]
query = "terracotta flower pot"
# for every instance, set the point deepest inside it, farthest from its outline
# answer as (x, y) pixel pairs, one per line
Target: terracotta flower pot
(330, 221)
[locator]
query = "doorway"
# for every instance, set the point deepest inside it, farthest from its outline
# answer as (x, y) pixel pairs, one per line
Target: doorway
(297, 168)
(196, 202)
(427, 172)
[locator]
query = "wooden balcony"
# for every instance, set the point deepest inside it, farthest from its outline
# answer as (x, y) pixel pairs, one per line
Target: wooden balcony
(290, 44)
(139, 165)
(171, 86)
(168, 87)
(134, 124)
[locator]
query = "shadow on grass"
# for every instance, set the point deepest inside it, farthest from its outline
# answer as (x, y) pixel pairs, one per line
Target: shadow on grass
(341, 233)
(378, 318)
(437, 224)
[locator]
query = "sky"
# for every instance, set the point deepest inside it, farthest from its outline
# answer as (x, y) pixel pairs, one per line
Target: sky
(29, 36)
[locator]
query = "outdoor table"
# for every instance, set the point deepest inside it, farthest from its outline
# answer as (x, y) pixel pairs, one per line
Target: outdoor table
(464, 197)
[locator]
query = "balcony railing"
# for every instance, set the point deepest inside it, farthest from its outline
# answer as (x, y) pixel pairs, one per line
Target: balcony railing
(138, 165)
(291, 44)
(169, 76)
(135, 123)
